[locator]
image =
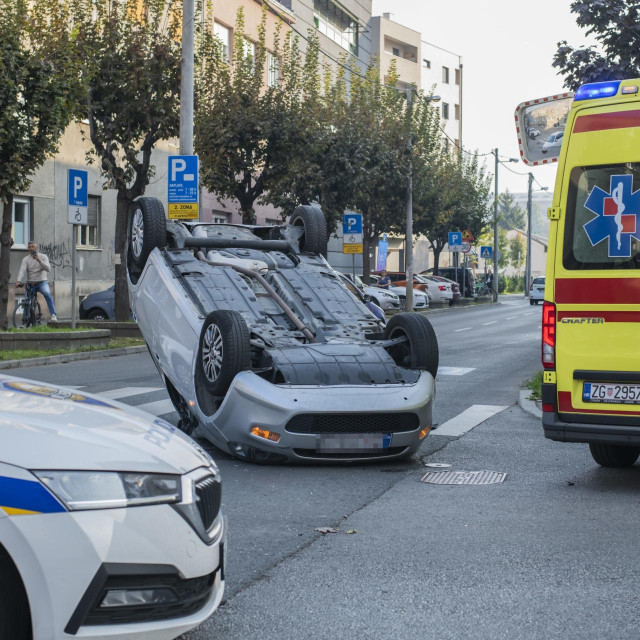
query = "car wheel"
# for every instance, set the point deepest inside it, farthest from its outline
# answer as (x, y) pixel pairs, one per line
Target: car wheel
(532, 302)
(611, 455)
(314, 225)
(224, 351)
(97, 314)
(419, 350)
(15, 618)
(403, 304)
(147, 230)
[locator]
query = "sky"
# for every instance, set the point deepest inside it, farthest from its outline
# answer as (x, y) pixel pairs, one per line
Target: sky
(507, 48)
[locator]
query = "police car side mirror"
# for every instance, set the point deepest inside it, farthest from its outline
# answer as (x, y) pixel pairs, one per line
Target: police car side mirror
(540, 127)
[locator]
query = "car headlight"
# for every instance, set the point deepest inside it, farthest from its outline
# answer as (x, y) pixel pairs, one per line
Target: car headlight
(79, 490)
(388, 295)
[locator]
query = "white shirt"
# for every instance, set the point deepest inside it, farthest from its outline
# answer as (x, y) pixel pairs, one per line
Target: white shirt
(33, 271)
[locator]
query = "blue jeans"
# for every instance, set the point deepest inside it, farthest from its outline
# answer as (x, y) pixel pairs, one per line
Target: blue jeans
(43, 288)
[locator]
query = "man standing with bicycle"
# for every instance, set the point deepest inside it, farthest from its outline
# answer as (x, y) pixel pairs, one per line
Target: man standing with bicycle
(34, 269)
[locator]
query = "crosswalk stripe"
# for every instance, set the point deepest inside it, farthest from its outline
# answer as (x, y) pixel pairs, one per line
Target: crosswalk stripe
(127, 392)
(454, 371)
(157, 408)
(468, 419)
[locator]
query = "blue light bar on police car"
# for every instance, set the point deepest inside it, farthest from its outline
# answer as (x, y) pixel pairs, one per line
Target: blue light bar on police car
(597, 90)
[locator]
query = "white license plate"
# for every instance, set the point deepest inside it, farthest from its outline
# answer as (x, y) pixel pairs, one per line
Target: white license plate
(611, 393)
(353, 442)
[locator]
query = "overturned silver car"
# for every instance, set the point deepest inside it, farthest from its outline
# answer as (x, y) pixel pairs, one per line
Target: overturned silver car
(264, 351)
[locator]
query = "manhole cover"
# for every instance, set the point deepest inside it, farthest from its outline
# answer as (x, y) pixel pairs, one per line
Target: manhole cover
(464, 477)
(438, 465)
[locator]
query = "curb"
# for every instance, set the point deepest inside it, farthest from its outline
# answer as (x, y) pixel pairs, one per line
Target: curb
(458, 307)
(528, 405)
(61, 358)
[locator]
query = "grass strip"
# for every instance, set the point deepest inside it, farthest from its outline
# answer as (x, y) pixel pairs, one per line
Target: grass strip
(21, 354)
(535, 385)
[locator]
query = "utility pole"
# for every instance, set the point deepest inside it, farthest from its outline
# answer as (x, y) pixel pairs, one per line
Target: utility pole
(186, 79)
(408, 252)
(495, 226)
(527, 275)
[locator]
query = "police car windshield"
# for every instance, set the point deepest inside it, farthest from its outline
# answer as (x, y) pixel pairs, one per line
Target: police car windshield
(602, 228)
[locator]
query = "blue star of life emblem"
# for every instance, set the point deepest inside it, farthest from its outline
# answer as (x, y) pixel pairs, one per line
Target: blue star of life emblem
(617, 216)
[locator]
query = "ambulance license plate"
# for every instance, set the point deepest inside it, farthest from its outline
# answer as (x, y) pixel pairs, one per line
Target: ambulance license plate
(611, 393)
(353, 442)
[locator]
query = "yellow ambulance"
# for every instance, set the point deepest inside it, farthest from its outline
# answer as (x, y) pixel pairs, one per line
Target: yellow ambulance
(591, 309)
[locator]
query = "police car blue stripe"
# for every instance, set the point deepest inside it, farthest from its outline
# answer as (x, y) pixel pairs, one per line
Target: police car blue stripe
(27, 495)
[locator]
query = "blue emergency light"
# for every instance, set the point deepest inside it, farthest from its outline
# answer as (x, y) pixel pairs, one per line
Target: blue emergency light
(595, 90)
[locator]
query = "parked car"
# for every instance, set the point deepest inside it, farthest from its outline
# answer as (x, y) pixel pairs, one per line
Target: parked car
(455, 287)
(383, 298)
(99, 306)
(536, 290)
(110, 521)
(553, 143)
(534, 133)
(462, 275)
(265, 352)
(399, 279)
(439, 290)
(359, 293)
(420, 300)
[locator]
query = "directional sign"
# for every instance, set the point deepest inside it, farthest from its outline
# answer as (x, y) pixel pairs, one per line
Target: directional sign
(183, 187)
(352, 232)
(78, 200)
(455, 241)
(467, 236)
(486, 253)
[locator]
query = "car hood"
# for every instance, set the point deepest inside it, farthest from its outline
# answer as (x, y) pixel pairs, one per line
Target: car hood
(44, 426)
(372, 291)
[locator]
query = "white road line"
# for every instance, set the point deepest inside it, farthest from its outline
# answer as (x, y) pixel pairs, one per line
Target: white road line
(473, 416)
(158, 408)
(484, 324)
(127, 392)
(465, 329)
(511, 317)
(454, 371)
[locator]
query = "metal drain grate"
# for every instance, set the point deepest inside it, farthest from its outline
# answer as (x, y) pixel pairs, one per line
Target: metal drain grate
(464, 477)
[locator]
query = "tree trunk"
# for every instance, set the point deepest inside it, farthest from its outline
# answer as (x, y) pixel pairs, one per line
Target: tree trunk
(436, 258)
(5, 262)
(122, 292)
(366, 263)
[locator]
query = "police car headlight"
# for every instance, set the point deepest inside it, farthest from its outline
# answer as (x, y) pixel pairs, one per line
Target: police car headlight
(79, 490)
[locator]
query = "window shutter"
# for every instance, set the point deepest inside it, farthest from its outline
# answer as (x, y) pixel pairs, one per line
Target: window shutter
(92, 213)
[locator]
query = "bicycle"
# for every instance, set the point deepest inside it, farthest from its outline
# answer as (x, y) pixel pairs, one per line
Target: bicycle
(484, 289)
(28, 310)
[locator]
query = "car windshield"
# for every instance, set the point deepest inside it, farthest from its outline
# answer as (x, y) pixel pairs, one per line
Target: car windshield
(539, 280)
(602, 229)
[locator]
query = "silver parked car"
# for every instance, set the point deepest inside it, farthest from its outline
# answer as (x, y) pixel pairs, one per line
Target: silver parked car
(386, 300)
(420, 300)
(263, 349)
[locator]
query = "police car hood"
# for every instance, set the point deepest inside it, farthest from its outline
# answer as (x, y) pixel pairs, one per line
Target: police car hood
(48, 427)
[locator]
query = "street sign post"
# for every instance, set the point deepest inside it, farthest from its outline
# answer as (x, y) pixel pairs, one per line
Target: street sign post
(455, 241)
(183, 188)
(486, 253)
(352, 237)
(78, 213)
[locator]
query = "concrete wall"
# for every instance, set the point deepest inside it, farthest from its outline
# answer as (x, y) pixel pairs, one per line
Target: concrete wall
(387, 35)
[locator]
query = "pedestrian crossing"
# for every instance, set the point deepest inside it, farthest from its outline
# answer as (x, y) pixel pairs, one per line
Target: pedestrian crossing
(160, 406)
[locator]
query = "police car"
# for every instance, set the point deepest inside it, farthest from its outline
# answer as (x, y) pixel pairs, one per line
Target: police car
(591, 310)
(110, 522)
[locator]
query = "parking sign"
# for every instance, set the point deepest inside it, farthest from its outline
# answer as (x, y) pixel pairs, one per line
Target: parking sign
(455, 241)
(78, 200)
(183, 187)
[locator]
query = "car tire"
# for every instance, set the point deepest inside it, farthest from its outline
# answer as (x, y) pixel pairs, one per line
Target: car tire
(15, 618)
(532, 302)
(97, 314)
(611, 455)
(420, 351)
(314, 224)
(147, 230)
(225, 350)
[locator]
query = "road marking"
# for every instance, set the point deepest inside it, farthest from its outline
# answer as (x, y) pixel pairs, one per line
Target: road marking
(157, 408)
(511, 317)
(473, 416)
(455, 371)
(465, 329)
(484, 324)
(127, 392)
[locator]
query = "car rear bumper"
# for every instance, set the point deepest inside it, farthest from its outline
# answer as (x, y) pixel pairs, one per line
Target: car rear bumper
(253, 401)
(591, 428)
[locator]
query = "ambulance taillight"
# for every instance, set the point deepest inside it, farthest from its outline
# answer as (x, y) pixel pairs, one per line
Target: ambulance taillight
(549, 335)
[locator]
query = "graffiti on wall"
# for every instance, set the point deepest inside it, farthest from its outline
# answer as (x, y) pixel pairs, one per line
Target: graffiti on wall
(58, 254)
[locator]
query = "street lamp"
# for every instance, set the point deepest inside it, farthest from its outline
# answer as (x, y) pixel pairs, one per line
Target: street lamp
(408, 260)
(495, 222)
(527, 270)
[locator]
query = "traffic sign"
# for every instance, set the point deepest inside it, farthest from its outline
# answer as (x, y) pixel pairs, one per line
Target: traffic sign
(455, 241)
(486, 253)
(467, 236)
(466, 247)
(352, 232)
(78, 201)
(183, 187)
(352, 248)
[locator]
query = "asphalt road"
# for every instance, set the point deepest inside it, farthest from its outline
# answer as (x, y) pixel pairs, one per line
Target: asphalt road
(550, 552)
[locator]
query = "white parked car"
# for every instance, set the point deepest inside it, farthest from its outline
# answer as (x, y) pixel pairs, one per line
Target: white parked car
(385, 299)
(110, 521)
(536, 290)
(420, 300)
(553, 143)
(438, 291)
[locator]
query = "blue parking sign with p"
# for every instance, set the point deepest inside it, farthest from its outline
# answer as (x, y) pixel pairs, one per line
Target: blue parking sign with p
(455, 238)
(78, 188)
(352, 223)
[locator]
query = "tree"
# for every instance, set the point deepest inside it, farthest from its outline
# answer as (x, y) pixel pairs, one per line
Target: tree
(486, 239)
(510, 214)
(615, 26)
(40, 84)
(132, 59)
(517, 252)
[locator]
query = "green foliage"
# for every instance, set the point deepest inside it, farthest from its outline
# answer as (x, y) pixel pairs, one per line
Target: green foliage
(510, 214)
(517, 252)
(512, 284)
(535, 385)
(486, 239)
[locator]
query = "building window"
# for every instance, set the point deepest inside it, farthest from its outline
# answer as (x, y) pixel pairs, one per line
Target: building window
(445, 110)
(219, 220)
(458, 76)
(395, 51)
(337, 25)
(249, 49)
(456, 110)
(89, 234)
(426, 63)
(21, 223)
(273, 70)
(445, 75)
(274, 221)
(224, 35)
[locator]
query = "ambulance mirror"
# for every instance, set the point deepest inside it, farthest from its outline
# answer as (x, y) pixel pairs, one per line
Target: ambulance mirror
(540, 125)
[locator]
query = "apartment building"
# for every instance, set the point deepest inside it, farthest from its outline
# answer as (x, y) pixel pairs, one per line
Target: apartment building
(441, 71)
